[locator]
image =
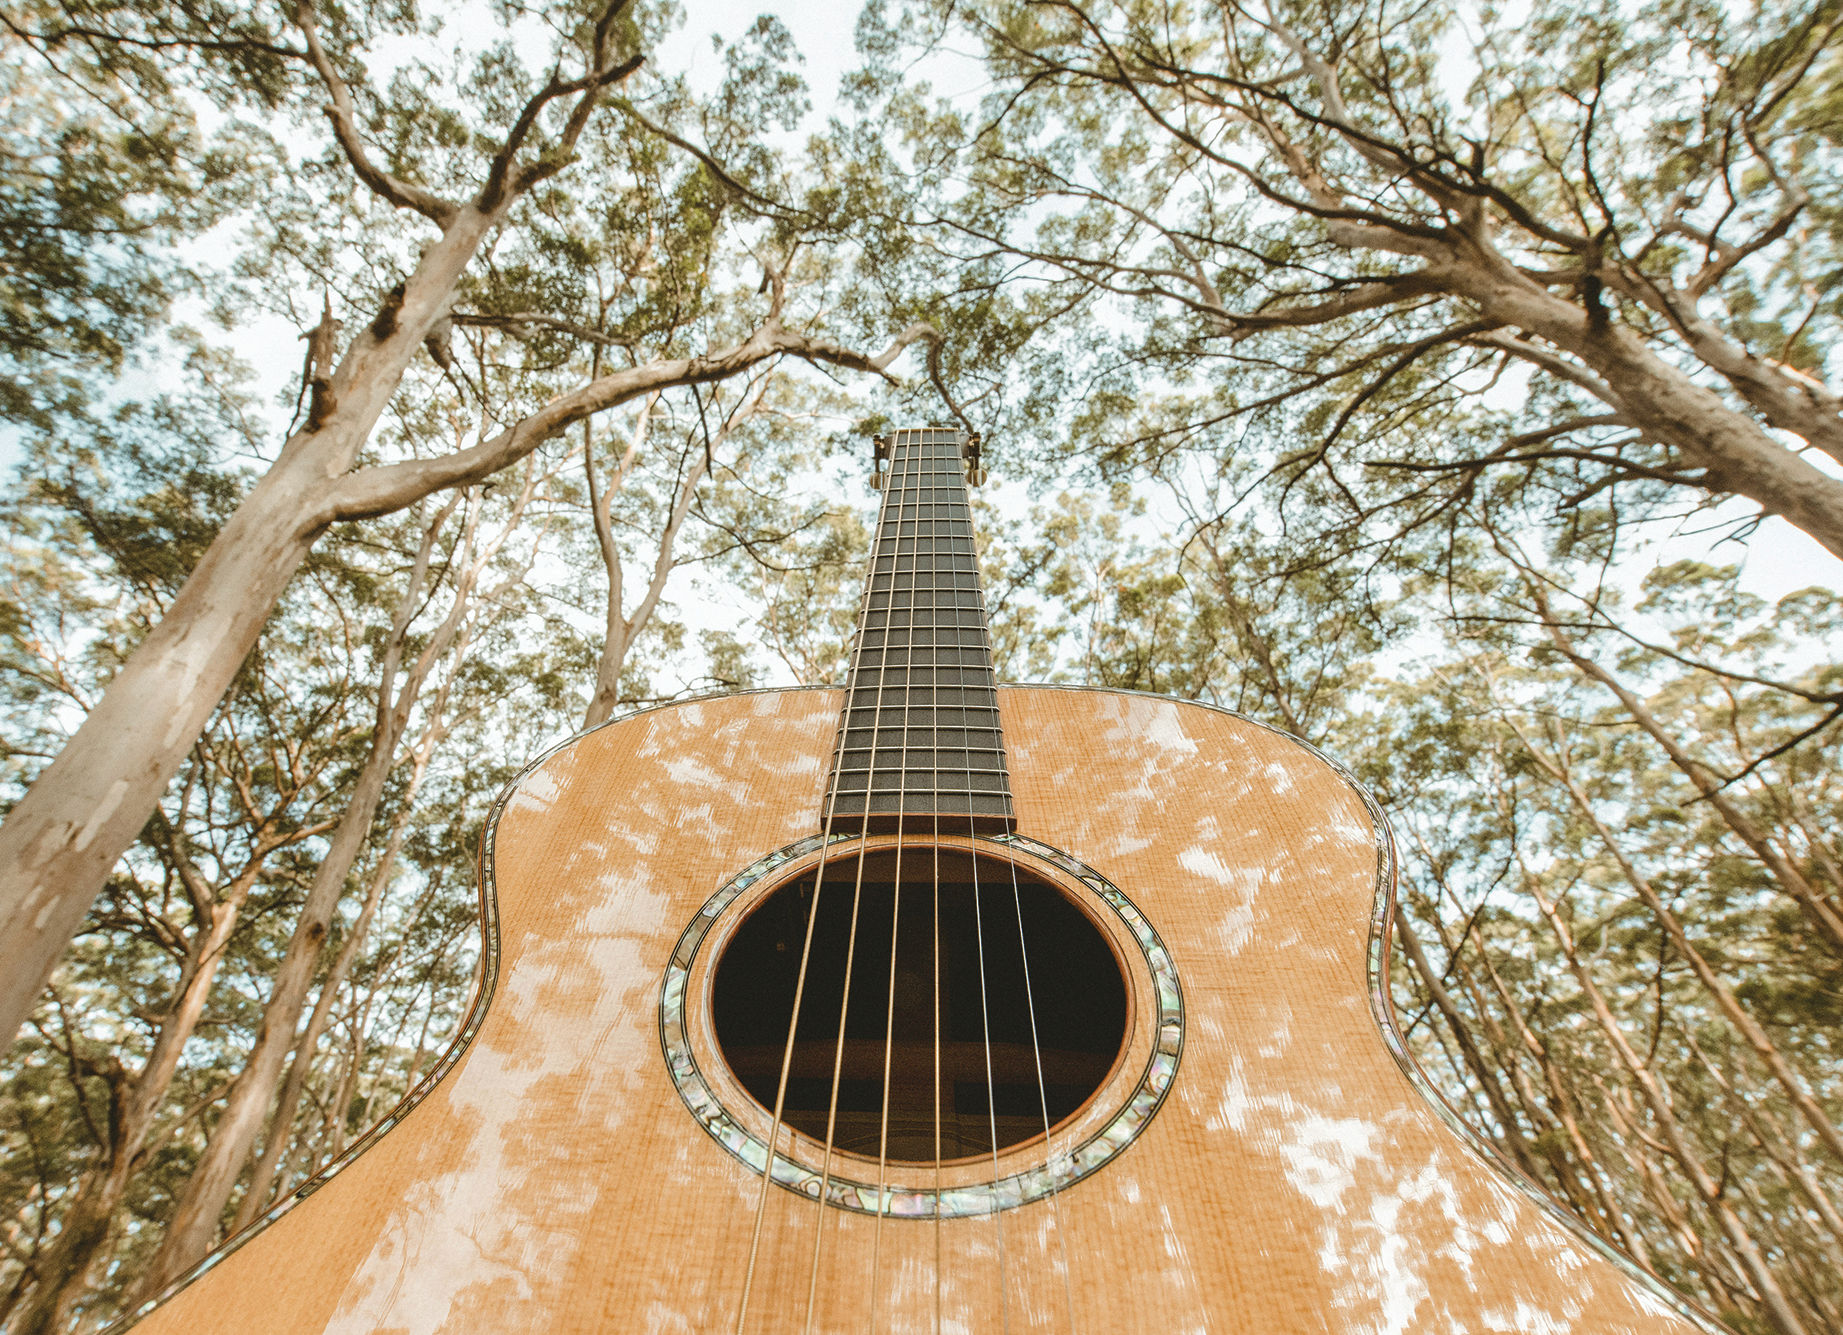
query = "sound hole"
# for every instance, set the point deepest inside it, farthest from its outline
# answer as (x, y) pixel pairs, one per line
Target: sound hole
(1075, 992)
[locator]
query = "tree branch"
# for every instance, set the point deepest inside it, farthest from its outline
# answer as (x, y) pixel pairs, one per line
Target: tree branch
(603, 70)
(344, 117)
(385, 488)
(772, 207)
(521, 319)
(1555, 364)
(1370, 294)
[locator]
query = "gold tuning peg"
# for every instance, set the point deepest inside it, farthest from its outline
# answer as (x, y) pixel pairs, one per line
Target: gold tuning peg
(972, 451)
(879, 461)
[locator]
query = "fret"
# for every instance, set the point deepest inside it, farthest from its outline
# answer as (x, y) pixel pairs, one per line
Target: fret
(940, 759)
(920, 743)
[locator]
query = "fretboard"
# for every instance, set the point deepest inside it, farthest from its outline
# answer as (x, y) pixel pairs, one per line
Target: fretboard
(919, 744)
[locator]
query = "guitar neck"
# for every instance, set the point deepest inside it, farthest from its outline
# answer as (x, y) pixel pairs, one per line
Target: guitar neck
(919, 743)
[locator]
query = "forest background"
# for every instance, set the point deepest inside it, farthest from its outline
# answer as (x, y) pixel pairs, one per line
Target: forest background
(392, 389)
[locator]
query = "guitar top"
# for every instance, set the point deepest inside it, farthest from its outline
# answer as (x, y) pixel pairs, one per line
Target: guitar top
(1059, 1008)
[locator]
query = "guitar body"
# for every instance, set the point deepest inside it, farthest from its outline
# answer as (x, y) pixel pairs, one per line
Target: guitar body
(1293, 1178)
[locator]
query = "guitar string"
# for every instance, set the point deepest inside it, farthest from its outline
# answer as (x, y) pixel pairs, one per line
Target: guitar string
(937, 1073)
(883, 1129)
(985, 1005)
(1036, 1054)
(844, 1005)
(939, 1231)
(904, 496)
(991, 1092)
(806, 949)
(838, 1062)
(793, 1025)
(889, 1021)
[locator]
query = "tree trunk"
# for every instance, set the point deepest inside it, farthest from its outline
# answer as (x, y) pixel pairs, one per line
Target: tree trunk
(338, 1110)
(1717, 987)
(1632, 1143)
(1565, 1110)
(1772, 1297)
(262, 1177)
(281, 1124)
(1566, 1174)
(1486, 1077)
(1737, 455)
(1815, 905)
(606, 692)
(63, 1267)
(1562, 1113)
(194, 1224)
(1772, 1144)
(1612, 360)
(59, 844)
(193, 1228)
(620, 630)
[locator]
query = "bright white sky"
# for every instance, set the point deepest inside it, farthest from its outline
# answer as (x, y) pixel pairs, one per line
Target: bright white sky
(823, 32)
(1778, 559)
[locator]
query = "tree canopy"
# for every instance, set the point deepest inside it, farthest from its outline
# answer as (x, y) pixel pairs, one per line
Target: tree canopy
(1419, 380)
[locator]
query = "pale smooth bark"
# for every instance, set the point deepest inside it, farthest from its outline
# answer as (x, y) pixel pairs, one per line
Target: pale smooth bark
(1420, 226)
(1772, 1143)
(1815, 904)
(281, 1122)
(1565, 1110)
(1708, 1190)
(59, 843)
(62, 1269)
(1608, 359)
(1482, 1071)
(619, 629)
(193, 1228)
(1556, 766)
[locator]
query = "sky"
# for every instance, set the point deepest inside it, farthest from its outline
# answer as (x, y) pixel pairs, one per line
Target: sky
(1777, 560)
(823, 33)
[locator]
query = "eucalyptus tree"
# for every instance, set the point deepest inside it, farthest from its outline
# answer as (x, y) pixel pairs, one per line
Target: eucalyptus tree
(810, 599)
(127, 1051)
(484, 160)
(323, 835)
(1333, 228)
(1616, 979)
(641, 507)
(1614, 801)
(99, 189)
(1340, 299)
(402, 678)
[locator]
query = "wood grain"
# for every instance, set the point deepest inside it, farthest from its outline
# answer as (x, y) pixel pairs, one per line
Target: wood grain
(1294, 1180)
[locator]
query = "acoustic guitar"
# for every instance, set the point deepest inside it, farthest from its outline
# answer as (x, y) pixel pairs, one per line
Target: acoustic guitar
(926, 1007)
